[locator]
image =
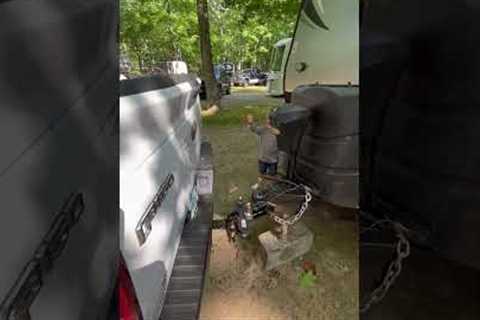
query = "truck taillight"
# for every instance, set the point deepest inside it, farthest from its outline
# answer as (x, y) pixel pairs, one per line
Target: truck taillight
(128, 304)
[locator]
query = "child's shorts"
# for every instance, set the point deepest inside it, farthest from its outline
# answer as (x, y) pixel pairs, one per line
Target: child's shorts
(267, 168)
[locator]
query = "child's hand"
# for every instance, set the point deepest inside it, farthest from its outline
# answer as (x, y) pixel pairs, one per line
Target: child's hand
(273, 130)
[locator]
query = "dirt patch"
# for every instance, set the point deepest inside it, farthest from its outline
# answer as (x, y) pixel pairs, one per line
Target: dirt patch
(239, 288)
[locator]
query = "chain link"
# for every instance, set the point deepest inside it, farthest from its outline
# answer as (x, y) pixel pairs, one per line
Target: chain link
(294, 219)
(402, 251)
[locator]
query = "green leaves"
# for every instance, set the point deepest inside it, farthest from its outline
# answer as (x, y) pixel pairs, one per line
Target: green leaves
(152, 31)
(250, 28)
(242, 32)
(307, 279)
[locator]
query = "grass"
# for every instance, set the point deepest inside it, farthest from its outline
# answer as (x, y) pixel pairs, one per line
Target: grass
(249, 96)
(235, 146)
(235, 161)
(249, 89)
(235, 117)
(334, 293)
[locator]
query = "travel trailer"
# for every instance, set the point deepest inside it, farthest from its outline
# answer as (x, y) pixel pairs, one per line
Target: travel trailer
(277, 67)
(325, 48)
(319, 144)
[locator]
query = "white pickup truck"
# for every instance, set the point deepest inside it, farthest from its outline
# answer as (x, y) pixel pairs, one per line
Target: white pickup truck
(166, 177)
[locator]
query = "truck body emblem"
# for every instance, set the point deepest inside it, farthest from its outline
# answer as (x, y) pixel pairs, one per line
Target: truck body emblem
(17, 302)
(144, 225)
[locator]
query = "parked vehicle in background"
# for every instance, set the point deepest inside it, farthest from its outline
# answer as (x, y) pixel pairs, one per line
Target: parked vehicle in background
(262, 77)
(223, 77)
(250, 77)
(277, 67)
(59, 160)
(240, 80)
(320, 53)
(166, 178)
(229, 69)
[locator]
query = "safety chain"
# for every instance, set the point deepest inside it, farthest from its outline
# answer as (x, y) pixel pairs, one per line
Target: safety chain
(402, 250)
(294, 219)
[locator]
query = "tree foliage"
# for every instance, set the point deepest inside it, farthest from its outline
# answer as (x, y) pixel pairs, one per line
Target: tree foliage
(242, 31)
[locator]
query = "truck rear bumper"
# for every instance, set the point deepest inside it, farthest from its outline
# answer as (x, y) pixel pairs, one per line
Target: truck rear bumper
(184, 293)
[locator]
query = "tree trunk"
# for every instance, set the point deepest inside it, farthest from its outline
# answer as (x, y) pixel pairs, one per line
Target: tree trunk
(206, 52)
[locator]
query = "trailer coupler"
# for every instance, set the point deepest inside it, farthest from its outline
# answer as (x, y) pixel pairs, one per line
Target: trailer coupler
(244, 213)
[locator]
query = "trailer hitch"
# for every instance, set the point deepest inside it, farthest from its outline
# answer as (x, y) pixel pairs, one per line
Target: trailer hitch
(244, 213)
(238, 221)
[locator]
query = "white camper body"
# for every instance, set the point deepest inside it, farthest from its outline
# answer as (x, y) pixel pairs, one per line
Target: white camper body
(277, 67)
(325, 48)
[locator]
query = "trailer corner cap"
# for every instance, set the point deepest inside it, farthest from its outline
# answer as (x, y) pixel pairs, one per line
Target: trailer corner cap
(312, 11)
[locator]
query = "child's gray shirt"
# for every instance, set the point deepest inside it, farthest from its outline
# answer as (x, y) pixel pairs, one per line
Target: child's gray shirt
(267, 145)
